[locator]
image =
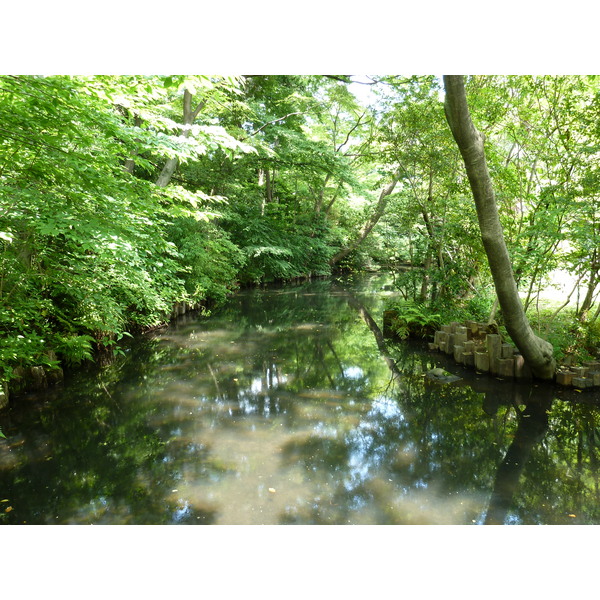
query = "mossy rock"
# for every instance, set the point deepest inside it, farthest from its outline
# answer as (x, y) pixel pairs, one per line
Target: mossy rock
(440, 376)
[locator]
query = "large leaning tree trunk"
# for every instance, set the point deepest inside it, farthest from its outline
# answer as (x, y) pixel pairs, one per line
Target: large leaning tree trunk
(537, 352)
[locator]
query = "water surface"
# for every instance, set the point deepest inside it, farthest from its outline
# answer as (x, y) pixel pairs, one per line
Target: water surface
(288, 406)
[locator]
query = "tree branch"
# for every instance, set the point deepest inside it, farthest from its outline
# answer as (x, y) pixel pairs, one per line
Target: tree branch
(271, 123)
(350, 132)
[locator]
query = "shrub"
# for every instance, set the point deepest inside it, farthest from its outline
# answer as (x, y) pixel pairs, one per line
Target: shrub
(413, 319)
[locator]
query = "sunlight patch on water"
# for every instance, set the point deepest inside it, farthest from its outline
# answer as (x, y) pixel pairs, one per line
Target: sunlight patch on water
(308, 327)
(258, 490)
(418, 506)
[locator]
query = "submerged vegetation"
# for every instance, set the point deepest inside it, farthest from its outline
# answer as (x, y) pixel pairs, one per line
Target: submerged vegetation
(122, 197)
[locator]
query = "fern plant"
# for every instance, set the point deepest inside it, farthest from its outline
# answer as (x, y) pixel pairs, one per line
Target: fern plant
(413, 319)
(74, 349)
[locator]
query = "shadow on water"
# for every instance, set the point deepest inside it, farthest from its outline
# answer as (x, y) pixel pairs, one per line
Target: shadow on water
(289, 406)
(531, 430)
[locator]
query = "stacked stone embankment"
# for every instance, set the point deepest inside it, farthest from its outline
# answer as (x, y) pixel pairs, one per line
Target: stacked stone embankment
(30, 379)
(472, 344)
(581, 377)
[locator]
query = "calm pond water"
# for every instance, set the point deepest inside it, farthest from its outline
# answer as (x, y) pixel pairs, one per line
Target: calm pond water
(288, 406)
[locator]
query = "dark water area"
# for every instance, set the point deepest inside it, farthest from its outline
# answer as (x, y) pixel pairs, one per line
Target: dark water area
(287, 406)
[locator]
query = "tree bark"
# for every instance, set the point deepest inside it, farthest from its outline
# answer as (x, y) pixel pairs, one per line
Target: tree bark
(537, 352)
(189, 116)
(591, 289)
(368, 226)
(129, 164)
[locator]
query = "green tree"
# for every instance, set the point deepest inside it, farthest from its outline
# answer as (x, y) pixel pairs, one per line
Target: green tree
(86, 244)
(443, 246)
(537, 352)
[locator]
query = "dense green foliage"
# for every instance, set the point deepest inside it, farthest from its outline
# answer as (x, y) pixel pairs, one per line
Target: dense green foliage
(86, 252)
(123, 196)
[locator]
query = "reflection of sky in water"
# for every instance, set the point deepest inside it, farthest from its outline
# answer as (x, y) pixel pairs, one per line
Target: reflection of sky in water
(353, 373)
(359, 468)
(181, 512)
(248, 408)
(386, 408)
(269, 380)
(366, 453)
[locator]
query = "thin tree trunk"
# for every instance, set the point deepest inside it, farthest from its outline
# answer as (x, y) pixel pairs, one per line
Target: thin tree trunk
(268, 186)
(589, 296)
(368, 226)
(189, 116)
(333, 199)
(167, 172)
(321, 194)
(493, 310)
(425, 282)
(537, 352)
(268, 195)
(129, 164)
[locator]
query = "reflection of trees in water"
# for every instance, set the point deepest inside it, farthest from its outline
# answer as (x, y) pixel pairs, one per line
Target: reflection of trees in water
(518, 416)
(532, 427)
(101, 461)
(100, 455)
(560, 481)
(451, 440)
(375, 440)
